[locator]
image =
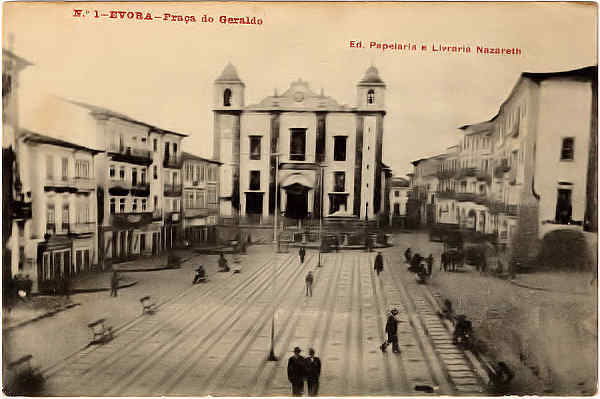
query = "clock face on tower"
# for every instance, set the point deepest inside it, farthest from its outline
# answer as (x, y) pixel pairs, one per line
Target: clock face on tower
(299, 96)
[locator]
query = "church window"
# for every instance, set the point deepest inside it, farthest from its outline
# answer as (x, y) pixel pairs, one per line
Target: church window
(227, 98)
(371, 97)
(255, 147)
(254, 180)
(339, 148)
(298, 145)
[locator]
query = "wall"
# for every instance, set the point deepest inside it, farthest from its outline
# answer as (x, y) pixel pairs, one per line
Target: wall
(255, 124)
(558, 118)
(340, 124)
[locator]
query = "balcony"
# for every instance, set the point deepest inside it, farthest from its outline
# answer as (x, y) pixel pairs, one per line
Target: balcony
(157, 215)
(60, 184)
(195, 212)
(172, 190)
(137, 156)
(512, 210)
(119, 187)
(481, 199)
(464, 197)
(140, 190)
(84, 183)
(172, 217)
(130, 220)
(82, 228)
(21, 210)
(172, 161)
(447, 194)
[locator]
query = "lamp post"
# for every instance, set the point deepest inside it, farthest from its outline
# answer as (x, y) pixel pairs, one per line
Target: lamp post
(272, 356)
(322, 166)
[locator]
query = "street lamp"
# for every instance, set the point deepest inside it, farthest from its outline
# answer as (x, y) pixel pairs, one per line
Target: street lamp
(272, 356)
(322, 166)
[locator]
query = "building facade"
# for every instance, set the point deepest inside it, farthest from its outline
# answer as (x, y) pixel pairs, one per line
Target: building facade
(16, 204)
(530, 170)
(398, 198)
(303, 135)
(200, 199)
(60, 241)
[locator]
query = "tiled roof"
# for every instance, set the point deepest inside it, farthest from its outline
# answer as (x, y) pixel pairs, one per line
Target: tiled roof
(29, 136)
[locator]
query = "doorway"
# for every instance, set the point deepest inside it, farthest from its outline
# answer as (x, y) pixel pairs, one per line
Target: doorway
(563, 206)
(297, 202)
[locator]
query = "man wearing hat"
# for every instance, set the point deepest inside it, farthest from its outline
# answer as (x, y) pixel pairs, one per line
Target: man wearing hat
(391, 328)
(313, 372)
(297, 372)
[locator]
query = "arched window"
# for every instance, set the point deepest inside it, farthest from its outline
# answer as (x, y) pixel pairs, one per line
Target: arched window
(227, 98)
(371, 97)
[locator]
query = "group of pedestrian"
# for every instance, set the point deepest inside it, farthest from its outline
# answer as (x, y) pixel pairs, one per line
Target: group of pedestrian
(301, 369)
(419, 264)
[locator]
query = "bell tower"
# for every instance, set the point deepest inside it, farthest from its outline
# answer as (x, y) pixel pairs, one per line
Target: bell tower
(370, 102)
(370, 91)
(228, 103)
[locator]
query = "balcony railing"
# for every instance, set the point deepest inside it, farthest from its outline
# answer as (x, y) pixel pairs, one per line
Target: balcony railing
(172, 190)
(82, 227)
(119, 187)
(157, 214)
(195, 212)
(21, 210)
(130, 219)
(140, 189)
(84, 183)
(512, 210)
(129, 154)
(173, 216)
(446, 194)
(172, 161)
(463, 197)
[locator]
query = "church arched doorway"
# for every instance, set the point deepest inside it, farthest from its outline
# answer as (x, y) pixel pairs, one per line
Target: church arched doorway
(297, 201)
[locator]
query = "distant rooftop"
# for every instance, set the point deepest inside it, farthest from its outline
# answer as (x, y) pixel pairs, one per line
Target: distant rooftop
(107, 112)
(30, 136)
(187, 155)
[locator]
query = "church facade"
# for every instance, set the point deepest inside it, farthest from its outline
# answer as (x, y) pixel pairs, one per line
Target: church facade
(327, 156)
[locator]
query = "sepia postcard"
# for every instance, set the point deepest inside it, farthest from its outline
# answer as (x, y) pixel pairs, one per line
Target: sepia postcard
(251, 199)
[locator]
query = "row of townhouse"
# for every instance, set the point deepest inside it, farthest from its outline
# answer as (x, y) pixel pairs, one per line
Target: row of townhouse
(78, 208)
(529, 170)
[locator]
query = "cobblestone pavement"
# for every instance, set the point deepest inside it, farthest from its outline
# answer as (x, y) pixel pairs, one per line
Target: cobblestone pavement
(214, 338)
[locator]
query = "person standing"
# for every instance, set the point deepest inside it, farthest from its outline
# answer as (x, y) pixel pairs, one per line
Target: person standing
(301, 254)
(313, 372)
(408, 255)
(297, 372)
(378, 263)
(114, 283)
(391, 328)
(309, 282)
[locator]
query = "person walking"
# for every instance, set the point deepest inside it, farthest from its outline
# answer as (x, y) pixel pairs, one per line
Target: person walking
(301, 254)
(223, 267)
(391, 328)
(296, 371)
(114, 283)
(408, 255)
(378, 263)
(313, 372)
(309, 282)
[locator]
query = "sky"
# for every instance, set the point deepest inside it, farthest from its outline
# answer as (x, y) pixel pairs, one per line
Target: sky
(162, 72)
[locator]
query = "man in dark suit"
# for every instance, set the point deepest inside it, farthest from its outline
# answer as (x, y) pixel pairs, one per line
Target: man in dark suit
(313, 372)
(297, 372)
(301, 254)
